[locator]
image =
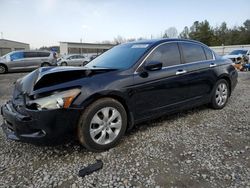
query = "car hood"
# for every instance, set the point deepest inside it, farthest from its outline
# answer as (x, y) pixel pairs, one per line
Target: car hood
(45, 79)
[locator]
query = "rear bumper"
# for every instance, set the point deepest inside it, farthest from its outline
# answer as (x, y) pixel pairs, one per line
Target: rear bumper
(41, 127)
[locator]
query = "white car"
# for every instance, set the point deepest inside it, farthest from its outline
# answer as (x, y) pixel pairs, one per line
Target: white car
(238, 54)
(73, 60)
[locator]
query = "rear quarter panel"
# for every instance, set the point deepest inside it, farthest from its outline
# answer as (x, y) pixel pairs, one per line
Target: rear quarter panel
(225, 70)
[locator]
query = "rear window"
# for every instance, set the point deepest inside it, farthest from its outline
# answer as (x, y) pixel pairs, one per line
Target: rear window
(30, 54)
(81, 57)
(192, 52)
(208, 53)
(43, 54)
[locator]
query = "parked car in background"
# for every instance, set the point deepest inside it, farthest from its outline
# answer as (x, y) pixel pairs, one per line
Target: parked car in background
(126, 85)
(73, 60)
(26, 60)
(238, 55)
(93, 57)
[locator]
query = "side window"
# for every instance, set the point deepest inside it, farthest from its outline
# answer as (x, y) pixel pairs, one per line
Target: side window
(192, 52)
(16, 56)
(43, 54)
(30, 54)
(208, 53)
(168, 54)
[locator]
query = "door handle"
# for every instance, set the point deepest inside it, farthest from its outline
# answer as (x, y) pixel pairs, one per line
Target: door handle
(180, 72)
(212, 65)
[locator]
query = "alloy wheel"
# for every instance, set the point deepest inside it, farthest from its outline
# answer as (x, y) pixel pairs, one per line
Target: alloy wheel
(105, 125)
(221, 94)
(2, 69)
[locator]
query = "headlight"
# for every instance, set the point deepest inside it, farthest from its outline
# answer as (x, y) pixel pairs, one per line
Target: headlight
(57, 100)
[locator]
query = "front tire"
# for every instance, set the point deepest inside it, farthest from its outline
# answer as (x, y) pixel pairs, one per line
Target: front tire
(102, 124)
(220, 94)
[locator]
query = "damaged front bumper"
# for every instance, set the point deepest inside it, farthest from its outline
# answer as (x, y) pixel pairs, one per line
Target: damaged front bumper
(41, 127)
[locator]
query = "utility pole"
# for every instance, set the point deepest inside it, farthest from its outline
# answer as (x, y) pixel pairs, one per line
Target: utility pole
(81, 45)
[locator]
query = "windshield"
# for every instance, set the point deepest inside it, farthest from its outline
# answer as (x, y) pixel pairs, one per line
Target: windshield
(120, 57)
(238, 52)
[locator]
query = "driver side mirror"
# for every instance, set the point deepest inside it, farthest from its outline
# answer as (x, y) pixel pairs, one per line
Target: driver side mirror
(153, 66)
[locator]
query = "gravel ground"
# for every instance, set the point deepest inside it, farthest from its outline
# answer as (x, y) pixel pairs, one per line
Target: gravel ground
(196, 148)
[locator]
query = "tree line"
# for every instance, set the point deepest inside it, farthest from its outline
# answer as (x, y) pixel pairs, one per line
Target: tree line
(200, 31)
(205, 33)
(219, 35)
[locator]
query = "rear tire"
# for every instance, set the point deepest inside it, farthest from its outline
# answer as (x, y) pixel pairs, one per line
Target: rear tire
(102, 124)
(64, 64)
(85, 63)
(3, 69)
(221, 93)
(45, 65)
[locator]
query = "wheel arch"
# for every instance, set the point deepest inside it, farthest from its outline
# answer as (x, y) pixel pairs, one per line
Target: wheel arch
(45, 62)
(114, 95)
(227, 78)
(4, 66)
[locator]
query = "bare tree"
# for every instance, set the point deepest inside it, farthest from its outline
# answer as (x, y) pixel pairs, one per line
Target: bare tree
(171, 33)
(106, 42)
(119, 39)
(185, 33)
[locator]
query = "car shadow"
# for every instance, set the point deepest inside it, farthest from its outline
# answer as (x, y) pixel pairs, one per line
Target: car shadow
(72, 146)
(144, 126)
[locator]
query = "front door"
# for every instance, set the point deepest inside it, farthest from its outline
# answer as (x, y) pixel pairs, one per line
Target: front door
(164, 89)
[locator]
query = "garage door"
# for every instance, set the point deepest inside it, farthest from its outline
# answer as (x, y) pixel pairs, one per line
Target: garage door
(4, 51)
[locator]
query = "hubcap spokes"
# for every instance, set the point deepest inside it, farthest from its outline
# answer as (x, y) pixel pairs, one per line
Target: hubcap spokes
(105, 125)
(221, 94)
(2, 69)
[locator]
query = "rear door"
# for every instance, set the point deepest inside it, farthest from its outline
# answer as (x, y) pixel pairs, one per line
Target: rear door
(32, 60)
(79, 60)
(160, 90)
(44, 57)
(199, 64)
(72, 60)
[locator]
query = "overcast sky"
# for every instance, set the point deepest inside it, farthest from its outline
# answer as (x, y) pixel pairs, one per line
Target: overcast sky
(46, 22)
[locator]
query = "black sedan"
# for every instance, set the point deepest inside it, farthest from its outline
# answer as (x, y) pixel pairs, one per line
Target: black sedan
(128, 84)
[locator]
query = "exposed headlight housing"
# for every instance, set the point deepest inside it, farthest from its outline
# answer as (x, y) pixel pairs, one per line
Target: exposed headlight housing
(56, 100)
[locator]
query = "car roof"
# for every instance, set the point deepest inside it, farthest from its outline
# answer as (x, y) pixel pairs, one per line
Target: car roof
(32, 51)
(69, 55)
(155, 42)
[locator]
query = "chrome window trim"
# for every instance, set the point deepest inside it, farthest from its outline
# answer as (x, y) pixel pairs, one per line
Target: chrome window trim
(202, 45)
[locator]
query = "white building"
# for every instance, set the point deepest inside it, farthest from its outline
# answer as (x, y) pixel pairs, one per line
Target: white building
(83, 48)
(7, 46)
